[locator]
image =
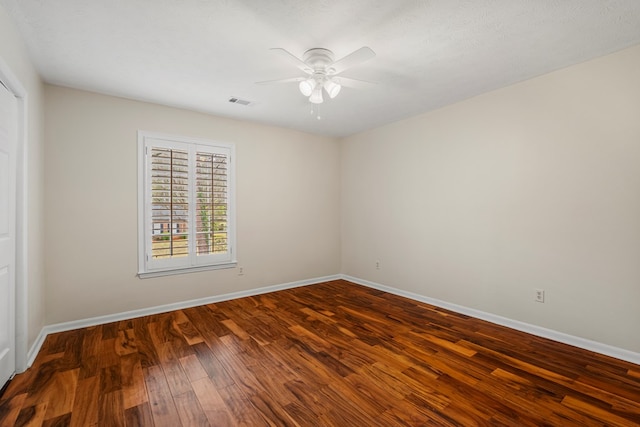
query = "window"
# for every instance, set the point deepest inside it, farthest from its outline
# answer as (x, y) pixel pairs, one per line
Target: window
(185, 205)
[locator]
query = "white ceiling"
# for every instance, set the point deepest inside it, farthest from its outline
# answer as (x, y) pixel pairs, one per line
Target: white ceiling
(196, 54)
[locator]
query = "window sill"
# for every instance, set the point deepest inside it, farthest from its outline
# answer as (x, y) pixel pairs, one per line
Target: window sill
(174, 271)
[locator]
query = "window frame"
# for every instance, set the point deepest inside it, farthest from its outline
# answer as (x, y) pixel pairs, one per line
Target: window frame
(192, 262)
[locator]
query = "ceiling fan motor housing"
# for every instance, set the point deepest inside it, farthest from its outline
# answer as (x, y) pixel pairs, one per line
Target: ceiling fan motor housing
(318, 59)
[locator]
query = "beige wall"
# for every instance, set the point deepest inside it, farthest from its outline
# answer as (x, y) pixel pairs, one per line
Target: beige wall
(14, 53)
(533, 186)
(287, 193)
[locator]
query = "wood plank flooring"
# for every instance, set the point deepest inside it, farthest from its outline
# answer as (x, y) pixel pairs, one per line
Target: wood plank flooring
(332, 354)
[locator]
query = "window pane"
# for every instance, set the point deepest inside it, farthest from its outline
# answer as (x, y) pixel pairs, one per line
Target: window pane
(211, 203)
(169, 203)
(186, 216)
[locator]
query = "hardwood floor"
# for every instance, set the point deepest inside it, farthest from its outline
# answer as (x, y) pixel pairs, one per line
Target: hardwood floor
(332, 354)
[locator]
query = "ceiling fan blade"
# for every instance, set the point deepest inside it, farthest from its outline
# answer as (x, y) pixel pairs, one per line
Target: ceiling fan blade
(354, 58)
(289, 80)
(353, 83)
(292, 59)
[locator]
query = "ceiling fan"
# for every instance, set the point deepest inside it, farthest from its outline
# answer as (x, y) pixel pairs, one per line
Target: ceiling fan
(322, 71)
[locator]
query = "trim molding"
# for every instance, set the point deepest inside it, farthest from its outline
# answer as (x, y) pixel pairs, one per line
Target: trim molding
(99, 320)
(21, 315)
(597, 347)
(35, 348)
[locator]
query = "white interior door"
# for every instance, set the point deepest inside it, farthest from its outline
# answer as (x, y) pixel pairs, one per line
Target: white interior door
(8, 144)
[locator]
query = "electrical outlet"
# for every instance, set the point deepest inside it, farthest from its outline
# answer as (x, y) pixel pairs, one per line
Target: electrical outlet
(241, 271)
(539, 296)
(377, 265)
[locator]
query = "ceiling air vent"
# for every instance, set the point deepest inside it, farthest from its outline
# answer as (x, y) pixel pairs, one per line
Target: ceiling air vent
(235, 100)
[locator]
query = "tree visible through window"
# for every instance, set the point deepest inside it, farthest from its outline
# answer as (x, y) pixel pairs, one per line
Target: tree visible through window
(186, 204)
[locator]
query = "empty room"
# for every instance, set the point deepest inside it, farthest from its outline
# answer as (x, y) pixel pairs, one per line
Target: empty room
(320, 213)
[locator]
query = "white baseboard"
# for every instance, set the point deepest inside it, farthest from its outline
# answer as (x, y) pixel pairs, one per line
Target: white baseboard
(35, 348)
(597, 347)
(584, 343)
(100, 320)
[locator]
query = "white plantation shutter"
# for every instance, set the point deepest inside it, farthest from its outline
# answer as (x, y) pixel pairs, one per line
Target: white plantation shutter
(211, 199)
(187, 208)
(212, 242)
(169, 202)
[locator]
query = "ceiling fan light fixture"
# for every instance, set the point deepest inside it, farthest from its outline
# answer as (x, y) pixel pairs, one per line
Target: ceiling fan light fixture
(316, 96)
(332, 88)
(307, 86)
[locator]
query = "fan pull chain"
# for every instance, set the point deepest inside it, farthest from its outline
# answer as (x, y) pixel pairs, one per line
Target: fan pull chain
(315, 111)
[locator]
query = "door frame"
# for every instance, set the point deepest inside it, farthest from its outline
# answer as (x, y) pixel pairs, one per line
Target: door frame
(21, 307)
